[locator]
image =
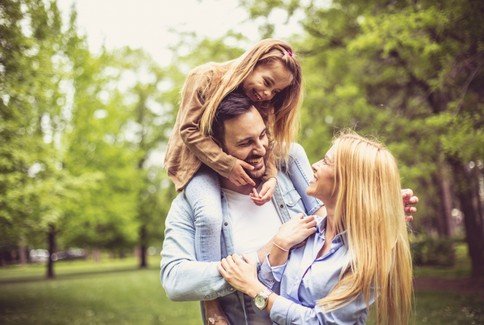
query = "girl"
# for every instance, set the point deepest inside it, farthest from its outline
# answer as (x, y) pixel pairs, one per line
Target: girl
(357, 255)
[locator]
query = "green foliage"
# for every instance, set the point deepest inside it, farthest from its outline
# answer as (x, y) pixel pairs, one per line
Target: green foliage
(433, 251)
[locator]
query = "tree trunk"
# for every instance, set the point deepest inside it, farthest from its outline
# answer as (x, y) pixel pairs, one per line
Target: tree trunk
(443, 183)
(52, 249)
(143, 249)
(467, 183)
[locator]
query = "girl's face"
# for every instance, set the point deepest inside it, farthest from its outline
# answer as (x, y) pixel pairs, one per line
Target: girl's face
(266, 80)
(322, 186)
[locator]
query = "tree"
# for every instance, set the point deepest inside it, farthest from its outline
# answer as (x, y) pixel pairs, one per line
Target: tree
(411, 73)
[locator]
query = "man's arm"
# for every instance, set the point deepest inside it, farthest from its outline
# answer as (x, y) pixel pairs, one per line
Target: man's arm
(183, 277)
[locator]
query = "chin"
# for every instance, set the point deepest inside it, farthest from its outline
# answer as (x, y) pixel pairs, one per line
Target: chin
(257, 174)
(310, 191)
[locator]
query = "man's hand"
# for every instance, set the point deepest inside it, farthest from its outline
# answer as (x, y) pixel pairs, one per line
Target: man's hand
(409, 203)
(238, 176)
(266, 192)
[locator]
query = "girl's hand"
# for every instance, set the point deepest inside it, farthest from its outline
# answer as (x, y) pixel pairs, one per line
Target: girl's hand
(409, 203)
(238, 176)
(240, 273)
(266, 192)
(295, 231)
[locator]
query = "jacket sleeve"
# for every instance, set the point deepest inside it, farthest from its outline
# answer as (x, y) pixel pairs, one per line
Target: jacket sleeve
(285, 311)
(183, 277)
(199, 144)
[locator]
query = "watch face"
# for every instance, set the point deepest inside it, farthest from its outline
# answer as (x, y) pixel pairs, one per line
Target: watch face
(260, 302)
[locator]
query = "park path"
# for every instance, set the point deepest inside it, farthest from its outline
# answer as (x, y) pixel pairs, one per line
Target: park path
(464, 286)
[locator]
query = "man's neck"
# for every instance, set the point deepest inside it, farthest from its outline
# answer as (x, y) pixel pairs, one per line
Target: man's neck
(244, 189)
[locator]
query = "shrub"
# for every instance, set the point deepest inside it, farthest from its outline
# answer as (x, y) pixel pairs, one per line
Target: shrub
(433, 251)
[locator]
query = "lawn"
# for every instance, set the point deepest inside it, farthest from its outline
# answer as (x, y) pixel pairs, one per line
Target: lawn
(116, 292)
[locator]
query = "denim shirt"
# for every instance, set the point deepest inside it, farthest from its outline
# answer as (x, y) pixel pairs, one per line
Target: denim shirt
(184, 278)
(304, 279)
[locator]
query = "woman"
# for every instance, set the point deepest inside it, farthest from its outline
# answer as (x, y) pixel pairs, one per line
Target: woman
(357, 255)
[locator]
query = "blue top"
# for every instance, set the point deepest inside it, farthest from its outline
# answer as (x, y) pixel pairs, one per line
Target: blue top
(304, 279)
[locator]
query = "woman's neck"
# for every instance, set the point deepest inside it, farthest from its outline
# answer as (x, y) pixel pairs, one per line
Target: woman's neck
(330, 226)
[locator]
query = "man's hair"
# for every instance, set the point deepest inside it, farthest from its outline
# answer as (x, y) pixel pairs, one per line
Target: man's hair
(232, 106)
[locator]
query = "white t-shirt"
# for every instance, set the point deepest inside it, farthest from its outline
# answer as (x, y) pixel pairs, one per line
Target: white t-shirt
(252, 225)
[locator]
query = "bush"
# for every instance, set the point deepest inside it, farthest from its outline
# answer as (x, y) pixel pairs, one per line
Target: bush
(433, 251)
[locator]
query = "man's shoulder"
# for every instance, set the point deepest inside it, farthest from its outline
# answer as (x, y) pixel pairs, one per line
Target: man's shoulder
(180, 205)
(284, 180)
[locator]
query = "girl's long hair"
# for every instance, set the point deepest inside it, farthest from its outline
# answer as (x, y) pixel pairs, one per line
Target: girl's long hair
(369, 208)
(285, 104)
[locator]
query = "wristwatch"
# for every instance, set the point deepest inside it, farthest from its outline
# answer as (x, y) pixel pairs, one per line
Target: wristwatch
(260, 300)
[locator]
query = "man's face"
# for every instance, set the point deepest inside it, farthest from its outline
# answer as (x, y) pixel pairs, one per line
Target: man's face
(246, 139)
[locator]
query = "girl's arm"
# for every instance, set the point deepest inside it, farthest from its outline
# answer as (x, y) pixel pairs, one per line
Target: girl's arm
(201, 145)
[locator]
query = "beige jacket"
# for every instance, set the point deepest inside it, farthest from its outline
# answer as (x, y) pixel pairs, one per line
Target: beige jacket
(188, 147)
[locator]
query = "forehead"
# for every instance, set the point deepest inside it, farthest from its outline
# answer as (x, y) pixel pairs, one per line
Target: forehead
(281, 75)
(244, 126)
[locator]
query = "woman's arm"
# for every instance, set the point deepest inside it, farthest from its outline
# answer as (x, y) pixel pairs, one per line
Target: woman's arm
(241, 275)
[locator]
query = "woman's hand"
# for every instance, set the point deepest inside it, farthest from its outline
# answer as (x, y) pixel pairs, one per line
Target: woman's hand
(266, 192)
(238, 176)
(409, 203)
(295, 231)
(241, 273)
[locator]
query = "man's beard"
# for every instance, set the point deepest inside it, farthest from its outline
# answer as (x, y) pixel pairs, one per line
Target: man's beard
(260, 163)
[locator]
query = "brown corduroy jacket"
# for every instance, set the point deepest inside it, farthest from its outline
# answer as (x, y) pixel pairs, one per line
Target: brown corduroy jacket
(188, 147)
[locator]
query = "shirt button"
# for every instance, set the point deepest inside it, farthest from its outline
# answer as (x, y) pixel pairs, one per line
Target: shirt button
(226, 223)
(282, 206)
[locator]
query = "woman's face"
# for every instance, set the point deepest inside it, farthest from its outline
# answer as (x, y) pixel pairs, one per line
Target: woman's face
(266, 80)
(322, 186)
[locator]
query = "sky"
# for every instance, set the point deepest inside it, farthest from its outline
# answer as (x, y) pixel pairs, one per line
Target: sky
(147, 24)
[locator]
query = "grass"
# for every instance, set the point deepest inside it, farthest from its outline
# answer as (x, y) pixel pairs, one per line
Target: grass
(116, 292)
(111, 292)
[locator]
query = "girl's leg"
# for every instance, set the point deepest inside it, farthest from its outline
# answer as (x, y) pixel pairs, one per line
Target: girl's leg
(300, 172)
(204, 196)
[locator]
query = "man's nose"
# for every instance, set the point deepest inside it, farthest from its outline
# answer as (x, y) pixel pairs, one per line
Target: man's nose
(260, 148)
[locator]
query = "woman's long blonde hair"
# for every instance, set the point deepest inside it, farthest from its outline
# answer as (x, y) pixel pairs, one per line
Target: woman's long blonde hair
(369, 208)
(285, 104)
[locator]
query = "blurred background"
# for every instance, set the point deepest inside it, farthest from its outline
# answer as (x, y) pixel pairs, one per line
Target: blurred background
(89, 92)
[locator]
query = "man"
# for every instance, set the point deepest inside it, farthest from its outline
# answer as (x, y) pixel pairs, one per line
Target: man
(247, 228)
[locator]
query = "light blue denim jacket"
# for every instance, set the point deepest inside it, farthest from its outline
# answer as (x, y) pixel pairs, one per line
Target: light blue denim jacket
(185, 278)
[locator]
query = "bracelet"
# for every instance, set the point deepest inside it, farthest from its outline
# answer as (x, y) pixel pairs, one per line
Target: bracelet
(281, 248)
